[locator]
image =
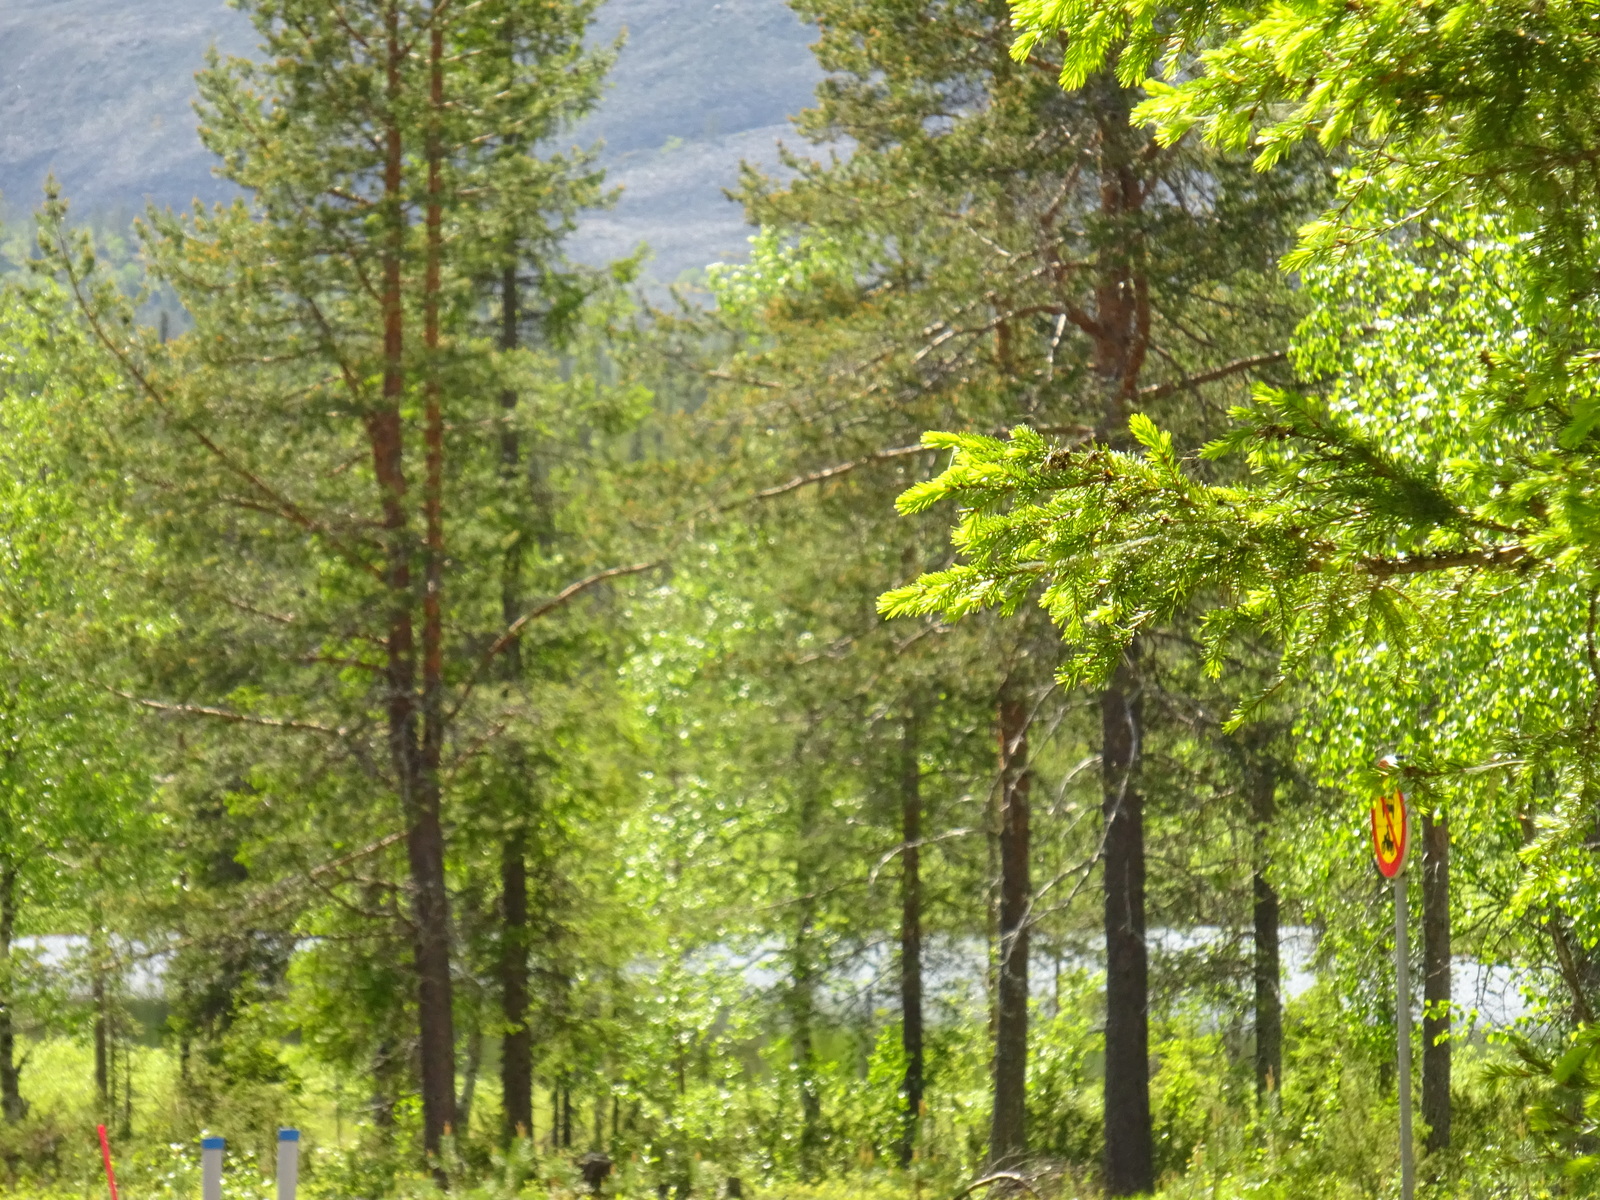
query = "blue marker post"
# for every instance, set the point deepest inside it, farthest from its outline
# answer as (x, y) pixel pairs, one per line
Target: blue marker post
(288, 1163)
(211, 1168)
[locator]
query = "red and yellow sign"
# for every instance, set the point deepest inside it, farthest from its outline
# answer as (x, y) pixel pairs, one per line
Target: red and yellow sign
(1389, 840)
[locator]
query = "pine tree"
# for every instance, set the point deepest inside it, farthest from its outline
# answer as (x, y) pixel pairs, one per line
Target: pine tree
(314, 443)
(992, 251)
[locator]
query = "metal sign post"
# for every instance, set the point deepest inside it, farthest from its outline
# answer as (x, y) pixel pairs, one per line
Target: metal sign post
(1402, 1020)
(288, 1163)
(1390, 842)
(211, 1168)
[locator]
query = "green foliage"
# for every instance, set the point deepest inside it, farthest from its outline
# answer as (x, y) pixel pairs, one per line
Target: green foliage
(1063, 1100)
(1385, 544)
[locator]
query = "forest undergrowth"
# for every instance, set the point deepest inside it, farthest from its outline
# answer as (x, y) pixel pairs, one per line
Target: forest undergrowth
(1330, 1134)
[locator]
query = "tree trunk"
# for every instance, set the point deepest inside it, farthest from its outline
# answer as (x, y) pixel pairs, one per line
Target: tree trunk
(435, 1007)
(910, 935)
(516, 1049)
(1008, 1131)
(125, 1126)
(416, 765)
(1130, 1169)
(426, 854)
(384, 1089)
(1121, 345)
(991, 913)
(99, 994)
(1268, 971)
(12, 1105)
(1436, 978)
(1575, 973)
(802, 988)
(469, 1085)
(802, 1013)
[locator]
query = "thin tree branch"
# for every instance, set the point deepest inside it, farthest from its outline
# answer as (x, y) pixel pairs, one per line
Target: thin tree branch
(998, 1177)
(514, 630)
(800, 481)
(1499, 557)
(278, 505)
(231, 717)
(1159, 391)
(877, 456)
(730, 377)
(280, 891)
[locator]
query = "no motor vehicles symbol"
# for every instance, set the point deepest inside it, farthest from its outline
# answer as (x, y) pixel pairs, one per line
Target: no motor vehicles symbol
(1389, 842)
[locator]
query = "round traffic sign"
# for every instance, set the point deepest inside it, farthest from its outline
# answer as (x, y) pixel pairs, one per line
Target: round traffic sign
(1389, 837)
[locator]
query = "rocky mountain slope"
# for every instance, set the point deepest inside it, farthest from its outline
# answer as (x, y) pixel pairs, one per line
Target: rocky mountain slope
(98, 91)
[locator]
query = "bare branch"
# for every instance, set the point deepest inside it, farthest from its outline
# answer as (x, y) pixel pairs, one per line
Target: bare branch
(998, 1177)
(1161, 390)
(231, 717)
(572, 590)
(877, 456)
(514, 630)
(801, 481)
(280, 891)
(1499, 557)
(730, 377)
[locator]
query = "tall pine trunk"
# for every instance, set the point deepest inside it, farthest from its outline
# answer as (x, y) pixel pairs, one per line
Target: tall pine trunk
(12, 1104)
(516, 1050)
(1008, 1131)
(1130, 1167)
(1121, 343)
(1436, 978)
(413, 756)
(910, 935)
(434, 992)
(1268, 971)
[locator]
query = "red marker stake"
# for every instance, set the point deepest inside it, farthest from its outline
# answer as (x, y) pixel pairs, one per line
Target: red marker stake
(105, 1153)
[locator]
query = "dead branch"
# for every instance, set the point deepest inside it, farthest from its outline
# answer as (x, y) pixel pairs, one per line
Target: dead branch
(231, 717)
